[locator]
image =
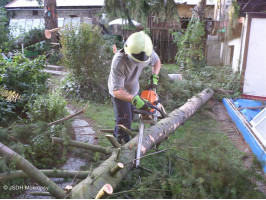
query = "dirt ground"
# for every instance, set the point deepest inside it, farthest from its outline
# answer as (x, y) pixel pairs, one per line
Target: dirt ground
(228, 126)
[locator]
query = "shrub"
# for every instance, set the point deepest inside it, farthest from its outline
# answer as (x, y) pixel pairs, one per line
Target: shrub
(24, 77)
(5, 37)
(33, 138)
(47, 108)
(174, 95)
(88, 58)
(40, 150)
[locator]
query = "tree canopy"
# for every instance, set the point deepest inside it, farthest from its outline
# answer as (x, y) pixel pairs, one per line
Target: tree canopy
(141, 10)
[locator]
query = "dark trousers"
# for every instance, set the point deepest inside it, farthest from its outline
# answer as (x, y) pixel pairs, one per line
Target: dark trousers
(123, 115)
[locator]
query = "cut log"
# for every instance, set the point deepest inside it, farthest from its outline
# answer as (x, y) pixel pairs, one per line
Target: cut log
(57, 173)
(92, 185)
(106, 191)
(32, 171)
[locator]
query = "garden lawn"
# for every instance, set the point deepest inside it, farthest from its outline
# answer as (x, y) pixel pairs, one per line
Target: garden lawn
(200, 162)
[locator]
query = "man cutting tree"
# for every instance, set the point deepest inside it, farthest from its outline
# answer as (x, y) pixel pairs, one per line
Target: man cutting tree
(123, 82)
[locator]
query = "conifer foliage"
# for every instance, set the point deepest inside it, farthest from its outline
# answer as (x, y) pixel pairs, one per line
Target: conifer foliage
(141, 10)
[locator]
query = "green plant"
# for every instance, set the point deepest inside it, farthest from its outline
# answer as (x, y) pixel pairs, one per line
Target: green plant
(88, 57)
(175, 94)
(7, 111)
(190, 45)
(233, 17)
(24, 77)
(141, 10)
(5, 37)
(41, 152)
(47, 108)
(201, 163)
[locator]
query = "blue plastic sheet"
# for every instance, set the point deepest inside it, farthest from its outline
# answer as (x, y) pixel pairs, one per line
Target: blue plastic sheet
(249, 138)
(250, 114)
(240, 103)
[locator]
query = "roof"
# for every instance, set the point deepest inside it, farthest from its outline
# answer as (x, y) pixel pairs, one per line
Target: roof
(70, 3)
(194, 2)
(251, 6)
(60, 3)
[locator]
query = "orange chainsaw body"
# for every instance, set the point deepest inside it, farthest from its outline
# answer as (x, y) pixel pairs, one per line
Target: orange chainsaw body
(149, 95)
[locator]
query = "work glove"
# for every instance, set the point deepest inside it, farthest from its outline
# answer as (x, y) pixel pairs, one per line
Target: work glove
(141, 104)
(153, 82)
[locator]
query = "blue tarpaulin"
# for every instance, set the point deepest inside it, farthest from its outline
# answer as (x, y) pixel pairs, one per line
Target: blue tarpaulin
(257, 149)
(242, 103)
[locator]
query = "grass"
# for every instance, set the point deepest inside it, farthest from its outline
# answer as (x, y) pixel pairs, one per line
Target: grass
(104, 117)
(171, 68)
(202, 162)
(102, 114)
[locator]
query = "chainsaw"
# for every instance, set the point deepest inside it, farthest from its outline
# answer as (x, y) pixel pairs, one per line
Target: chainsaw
(150, 117)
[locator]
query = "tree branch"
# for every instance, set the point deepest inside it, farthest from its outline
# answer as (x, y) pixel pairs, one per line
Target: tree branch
(32, 171)
(82, 145)
(68, 117)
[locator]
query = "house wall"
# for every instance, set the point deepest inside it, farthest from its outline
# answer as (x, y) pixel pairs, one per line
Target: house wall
(213, 50)
(24, 20)
(244, 33)
(254, 61)
(26, 14)
(236, 43)
(185, 11)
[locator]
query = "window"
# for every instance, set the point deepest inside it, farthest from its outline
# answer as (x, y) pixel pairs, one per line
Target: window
(35, 12)
(259, 126)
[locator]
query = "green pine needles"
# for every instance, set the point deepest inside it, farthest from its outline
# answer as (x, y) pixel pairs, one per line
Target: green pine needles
(190, 44)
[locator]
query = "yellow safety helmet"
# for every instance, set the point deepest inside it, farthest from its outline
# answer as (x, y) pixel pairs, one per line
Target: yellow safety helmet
(139, 47)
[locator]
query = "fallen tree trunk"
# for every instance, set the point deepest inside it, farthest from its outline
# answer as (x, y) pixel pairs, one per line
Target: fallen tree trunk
(32, 37)
(96, 181)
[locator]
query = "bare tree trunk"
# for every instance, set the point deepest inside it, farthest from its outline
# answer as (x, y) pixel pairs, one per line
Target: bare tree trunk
(50, 17)
(90, 187)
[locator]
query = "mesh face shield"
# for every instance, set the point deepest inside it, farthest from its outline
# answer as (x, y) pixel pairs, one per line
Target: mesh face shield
(141, 57)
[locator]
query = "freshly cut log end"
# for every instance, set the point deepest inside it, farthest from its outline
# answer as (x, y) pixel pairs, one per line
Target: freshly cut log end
(113, 141)
(106, 191)
(116, 168)
(68, 190)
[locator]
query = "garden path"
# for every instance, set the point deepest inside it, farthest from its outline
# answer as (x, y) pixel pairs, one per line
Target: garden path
(83, 132)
